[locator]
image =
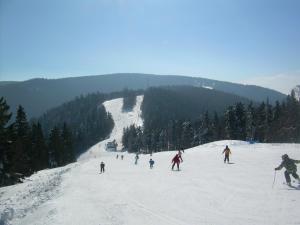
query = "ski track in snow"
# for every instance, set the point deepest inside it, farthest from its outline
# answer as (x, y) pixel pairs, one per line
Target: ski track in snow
(204, 192)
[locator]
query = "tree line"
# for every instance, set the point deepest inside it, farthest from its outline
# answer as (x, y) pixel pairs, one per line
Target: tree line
(262, 122)
(24, 148)
(87, 118)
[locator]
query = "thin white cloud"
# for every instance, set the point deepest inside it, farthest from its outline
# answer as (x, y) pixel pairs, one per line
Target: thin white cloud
(284, 82)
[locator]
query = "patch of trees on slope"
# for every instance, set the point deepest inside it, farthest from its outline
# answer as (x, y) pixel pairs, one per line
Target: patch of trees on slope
(186, 117)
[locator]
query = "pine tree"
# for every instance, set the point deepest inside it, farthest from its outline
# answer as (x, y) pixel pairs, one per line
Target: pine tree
(240, 132)
(5, 116)
(39, 151)
(268, 121)
(250, 125)
(216, 128)
(68, 149)
(162, 140)
(230, 123)
(21, 147)
(55, 148)
(187, 135)
(260, 122)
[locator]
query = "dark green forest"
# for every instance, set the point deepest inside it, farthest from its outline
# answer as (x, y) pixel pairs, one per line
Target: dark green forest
(24, 149)
(174, 122)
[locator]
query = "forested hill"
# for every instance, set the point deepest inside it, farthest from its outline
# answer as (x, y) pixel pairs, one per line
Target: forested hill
(86, 117)
(163, 104)
(40, 95)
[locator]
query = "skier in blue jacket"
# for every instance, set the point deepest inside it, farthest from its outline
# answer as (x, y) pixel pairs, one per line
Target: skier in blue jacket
(151, 162)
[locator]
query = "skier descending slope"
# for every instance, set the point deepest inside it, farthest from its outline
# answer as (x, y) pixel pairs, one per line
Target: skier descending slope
(291, 168)
(151, 162)
(226, 152)
(176, 160)
(102, 165)
(136, 159)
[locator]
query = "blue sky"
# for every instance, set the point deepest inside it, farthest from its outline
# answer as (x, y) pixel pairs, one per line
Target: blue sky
(233, 40)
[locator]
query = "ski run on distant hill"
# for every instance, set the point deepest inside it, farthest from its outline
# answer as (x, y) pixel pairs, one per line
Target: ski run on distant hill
(206, 191)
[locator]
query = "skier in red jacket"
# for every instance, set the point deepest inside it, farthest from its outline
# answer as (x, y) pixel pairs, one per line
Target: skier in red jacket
(176, 160)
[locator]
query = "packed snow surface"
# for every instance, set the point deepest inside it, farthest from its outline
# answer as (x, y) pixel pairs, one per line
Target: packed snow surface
(205, 190)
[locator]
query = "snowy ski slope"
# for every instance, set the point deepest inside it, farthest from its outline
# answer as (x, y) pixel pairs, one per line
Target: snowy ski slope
(205, 191)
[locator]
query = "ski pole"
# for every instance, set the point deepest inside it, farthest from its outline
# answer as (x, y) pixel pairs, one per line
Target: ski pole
(274, 179)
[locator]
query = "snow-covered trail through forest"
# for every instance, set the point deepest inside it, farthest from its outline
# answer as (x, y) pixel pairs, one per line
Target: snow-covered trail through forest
(121, 120)
(205, 192)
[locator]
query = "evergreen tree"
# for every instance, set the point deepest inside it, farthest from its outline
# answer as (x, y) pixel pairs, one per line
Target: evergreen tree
(250, 125)
(21, 146)
(268, 121)
(216, 128)
(187, 135)
(55, 148)
(39, 151)
(162, 140)
(230, 123)
(260, 122)
(5, 116)
(67, 148)
(240, 115)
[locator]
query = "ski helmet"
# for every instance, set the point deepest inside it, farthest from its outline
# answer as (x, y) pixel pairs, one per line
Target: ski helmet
(285, 156)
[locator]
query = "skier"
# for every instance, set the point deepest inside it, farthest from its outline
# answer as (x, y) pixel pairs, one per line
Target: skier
(117, 156)
(122, 156)
(102, 165)
(176, 160)
(291, 168)
(227, 152)
(136, 159)
(151, 162)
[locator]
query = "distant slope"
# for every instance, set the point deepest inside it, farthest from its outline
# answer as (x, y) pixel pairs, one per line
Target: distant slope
(39, 95)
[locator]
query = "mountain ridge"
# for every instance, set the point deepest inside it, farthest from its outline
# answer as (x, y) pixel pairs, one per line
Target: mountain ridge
(39, 95)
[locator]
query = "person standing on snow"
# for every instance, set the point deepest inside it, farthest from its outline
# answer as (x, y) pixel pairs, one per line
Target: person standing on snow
(151, 162)
(291, 168)
(136, 159)
(176, 160)
(102, 165)
(226, 152)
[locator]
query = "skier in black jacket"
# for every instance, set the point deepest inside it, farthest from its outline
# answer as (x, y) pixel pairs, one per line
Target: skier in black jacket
(291, 168)
(102, 165)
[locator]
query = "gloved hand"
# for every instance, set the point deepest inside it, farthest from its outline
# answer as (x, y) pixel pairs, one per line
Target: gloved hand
(276, 168)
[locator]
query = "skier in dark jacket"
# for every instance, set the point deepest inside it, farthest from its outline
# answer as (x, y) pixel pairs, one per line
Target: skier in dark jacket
(136, 159)
(102, 165)
(151, 162)
(291, 168)
(227, 152)
(176, 160)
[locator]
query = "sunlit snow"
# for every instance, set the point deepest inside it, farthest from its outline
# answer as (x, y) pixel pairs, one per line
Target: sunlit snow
(205, 190)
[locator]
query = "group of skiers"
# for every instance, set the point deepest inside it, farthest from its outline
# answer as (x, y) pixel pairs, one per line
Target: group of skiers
(287, 163)
(122, 156)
